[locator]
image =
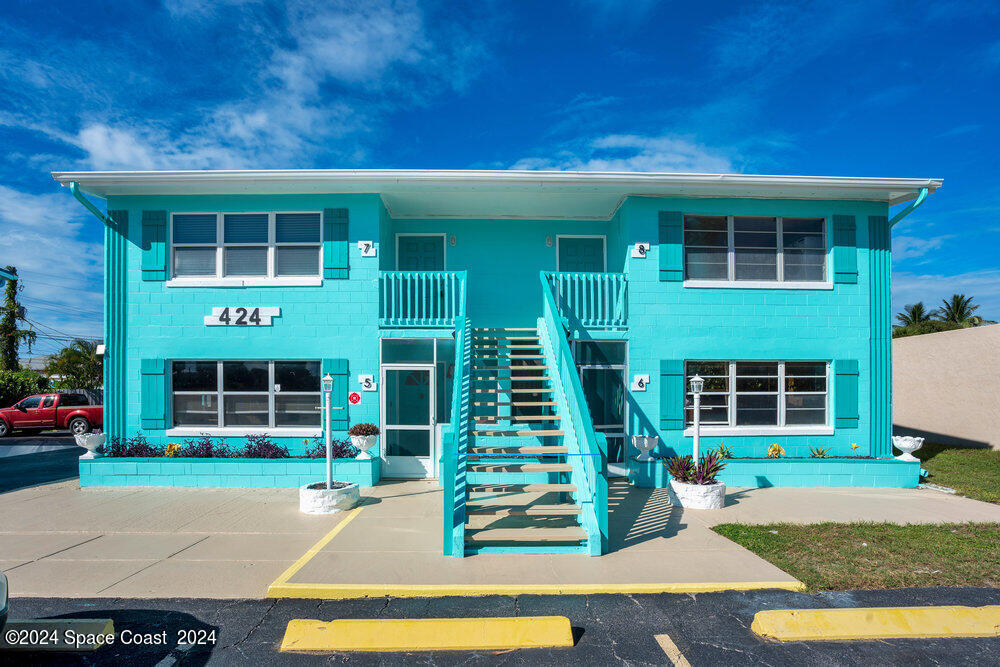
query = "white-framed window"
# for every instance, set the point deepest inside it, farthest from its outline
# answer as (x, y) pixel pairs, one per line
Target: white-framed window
(277, 245)
(753, 394)
(755, 249)
(252, 394)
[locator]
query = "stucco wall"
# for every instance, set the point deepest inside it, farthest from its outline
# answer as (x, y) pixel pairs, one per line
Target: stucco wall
(946, 386)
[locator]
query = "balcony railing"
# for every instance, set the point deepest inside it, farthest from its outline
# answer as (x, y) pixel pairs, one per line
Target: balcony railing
(421, 298)
(591, 300)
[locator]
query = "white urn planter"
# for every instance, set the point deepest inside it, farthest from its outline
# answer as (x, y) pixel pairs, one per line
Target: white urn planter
(92, 442)
(364, 443)
(315, 498)
(907, 444)
(645, 444)
(697, 496)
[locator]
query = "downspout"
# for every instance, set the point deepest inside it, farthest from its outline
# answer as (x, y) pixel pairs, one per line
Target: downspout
(74, 187)
(921, 196)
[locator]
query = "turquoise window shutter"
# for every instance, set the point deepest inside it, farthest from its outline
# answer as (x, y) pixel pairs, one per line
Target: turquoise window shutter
(672, 394)
(845, 393)
(153, 413)
(154, 245)
(337, 368)
(671, 250)
(335, 249)
(845, 249)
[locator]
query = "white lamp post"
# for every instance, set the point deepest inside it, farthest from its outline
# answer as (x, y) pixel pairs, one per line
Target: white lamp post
(327, 390)
(697, 384)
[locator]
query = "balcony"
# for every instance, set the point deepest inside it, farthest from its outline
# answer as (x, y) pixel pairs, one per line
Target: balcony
(421, 299)
(591, 300)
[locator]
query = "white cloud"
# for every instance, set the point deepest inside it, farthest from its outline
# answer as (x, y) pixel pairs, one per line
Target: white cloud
(631, 152)
(983, 286)
(911, 247)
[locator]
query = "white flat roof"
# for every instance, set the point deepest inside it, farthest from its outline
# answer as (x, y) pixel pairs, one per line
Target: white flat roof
(424, 193)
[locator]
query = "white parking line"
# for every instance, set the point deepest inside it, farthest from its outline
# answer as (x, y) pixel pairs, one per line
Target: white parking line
(674, 654)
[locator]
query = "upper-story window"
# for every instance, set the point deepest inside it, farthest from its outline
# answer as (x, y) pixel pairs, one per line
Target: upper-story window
(261, 245)
(728, 248)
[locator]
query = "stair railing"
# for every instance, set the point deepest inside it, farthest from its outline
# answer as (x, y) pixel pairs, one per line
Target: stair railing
(591, 300)
(588, 449)
(421, 298)
(455, 438)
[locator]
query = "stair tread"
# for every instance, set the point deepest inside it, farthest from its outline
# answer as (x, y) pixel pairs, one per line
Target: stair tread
(478, 508)
(511, 391)
(491, 346)
(491, 434)
(505, 329)
(508, 356)
(504, 487)
(526, 367)
(516, 404)
(506, 337)
(538, 450)
(519, 467)
(517, 418)
(527, 534)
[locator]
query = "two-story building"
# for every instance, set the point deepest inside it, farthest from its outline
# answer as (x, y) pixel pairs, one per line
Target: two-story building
(509, 331)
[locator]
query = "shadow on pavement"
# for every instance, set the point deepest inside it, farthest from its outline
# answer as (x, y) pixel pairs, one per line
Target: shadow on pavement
(27, 470)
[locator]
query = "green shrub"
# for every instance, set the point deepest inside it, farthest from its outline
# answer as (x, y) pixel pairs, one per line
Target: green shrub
(15, 385)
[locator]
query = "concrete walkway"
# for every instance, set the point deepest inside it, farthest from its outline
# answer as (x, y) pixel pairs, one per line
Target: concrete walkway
(57, 540)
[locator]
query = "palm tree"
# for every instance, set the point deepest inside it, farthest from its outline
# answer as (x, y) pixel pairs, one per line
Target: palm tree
(77, 366)
(914, 313)
(959, 309)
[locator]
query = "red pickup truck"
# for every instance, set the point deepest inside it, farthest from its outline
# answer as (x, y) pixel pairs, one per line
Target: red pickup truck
(48, 411)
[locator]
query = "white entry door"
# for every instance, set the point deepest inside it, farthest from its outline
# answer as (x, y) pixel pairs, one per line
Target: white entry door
(408, 420)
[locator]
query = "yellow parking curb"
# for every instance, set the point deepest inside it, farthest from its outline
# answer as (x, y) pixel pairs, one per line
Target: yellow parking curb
(877, 623)
(428, 634)
(281, 589)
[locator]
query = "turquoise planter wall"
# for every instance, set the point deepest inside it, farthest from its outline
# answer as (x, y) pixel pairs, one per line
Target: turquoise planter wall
(668, 321)
(268, 473)
(793, 472)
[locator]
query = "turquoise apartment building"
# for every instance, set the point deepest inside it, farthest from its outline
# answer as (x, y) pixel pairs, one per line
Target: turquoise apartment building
(508, 331)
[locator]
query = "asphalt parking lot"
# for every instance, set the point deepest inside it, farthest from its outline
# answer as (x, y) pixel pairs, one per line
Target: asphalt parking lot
(609, 629)
(30, 460)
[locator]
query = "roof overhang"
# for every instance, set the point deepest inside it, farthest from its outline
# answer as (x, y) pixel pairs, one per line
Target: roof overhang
(420, 193)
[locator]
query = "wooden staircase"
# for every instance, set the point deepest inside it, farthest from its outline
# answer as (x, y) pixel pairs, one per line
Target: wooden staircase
(519, 497)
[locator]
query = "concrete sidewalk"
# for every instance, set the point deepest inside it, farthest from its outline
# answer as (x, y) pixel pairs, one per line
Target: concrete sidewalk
(57, 540)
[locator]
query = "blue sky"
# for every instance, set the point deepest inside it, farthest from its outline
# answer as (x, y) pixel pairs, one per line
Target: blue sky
(875, 88)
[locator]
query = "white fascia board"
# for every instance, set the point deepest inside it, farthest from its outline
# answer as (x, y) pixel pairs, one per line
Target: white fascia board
(621, 184)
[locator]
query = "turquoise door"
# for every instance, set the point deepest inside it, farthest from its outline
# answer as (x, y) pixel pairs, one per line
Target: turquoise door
(581, 254)
(420, 253)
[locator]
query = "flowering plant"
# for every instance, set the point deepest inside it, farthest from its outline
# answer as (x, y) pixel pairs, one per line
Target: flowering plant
(682, 469)
(363, 429)
(775, 451)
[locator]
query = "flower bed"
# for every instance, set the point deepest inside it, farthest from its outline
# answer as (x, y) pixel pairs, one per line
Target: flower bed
(257, 446)
(763, 472)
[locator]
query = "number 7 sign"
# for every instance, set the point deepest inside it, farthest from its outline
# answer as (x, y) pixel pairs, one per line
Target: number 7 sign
(367, 248)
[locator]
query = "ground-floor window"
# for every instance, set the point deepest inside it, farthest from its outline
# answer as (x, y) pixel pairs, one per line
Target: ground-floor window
(246, 393)
(759, 393)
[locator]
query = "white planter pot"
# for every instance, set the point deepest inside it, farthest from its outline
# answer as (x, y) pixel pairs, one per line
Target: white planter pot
(907, 444)
(364, 443)
(92, 442)
(697, 496)
(315, 498)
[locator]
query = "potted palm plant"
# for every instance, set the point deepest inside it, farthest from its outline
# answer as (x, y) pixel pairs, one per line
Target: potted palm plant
(696, 486)
(364, 436)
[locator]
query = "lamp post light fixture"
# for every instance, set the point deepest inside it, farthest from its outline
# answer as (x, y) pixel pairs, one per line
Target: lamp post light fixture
(327, 391)
(697, 385)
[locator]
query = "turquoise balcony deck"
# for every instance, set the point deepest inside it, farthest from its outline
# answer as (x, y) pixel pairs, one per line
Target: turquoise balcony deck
(421, 299)
(591, 300)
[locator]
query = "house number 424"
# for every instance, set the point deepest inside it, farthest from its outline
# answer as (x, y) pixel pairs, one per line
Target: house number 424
(241, 316)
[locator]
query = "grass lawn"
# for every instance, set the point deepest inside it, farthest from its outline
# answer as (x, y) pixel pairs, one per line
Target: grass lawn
(844, 556)
(972, 472)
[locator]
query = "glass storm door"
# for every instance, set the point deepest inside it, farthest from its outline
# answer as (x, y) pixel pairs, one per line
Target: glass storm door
(408, 423)
(604, 389)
